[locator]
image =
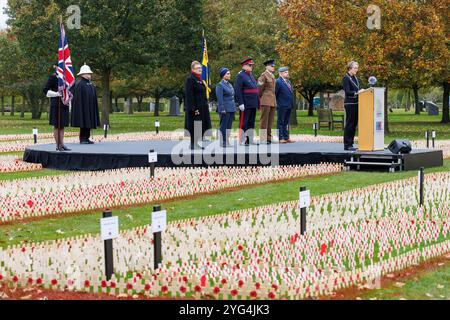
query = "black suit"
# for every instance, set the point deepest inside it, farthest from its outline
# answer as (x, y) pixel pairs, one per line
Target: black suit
(195, 100)
(351, 88)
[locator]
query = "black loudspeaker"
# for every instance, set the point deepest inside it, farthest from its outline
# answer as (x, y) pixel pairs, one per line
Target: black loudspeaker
(400, 146)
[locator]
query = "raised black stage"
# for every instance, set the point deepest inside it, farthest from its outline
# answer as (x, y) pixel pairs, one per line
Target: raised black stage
(114, 155)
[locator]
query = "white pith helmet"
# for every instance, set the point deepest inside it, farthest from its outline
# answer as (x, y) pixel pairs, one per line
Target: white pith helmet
(85, 70)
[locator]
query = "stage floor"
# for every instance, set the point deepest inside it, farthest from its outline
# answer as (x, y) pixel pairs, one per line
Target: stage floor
(115, 155)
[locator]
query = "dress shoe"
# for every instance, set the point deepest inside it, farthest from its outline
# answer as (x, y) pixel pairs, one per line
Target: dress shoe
(196, 147)
(65, 148)
(84, 142)
(289, 141)
(283, 141)
(350, 149)
(59, 148)
(90, 141)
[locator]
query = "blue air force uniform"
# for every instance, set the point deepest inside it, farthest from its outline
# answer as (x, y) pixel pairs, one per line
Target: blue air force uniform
(247, 94)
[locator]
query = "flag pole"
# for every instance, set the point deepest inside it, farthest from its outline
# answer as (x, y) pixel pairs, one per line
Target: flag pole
(58, 147)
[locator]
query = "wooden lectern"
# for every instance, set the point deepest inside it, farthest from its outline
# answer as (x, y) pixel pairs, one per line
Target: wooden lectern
(371, 119)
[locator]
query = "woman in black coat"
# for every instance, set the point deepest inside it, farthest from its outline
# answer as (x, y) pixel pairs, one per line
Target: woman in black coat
(351, 87)
(197, 118)
(59, 119)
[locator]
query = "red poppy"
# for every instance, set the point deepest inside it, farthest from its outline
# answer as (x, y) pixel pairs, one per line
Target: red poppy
(30, 280)
(223, 281)
(253, 294)
(274, 286)
(54, 282)
(216, 290)
(234, 292)
(197, 289)
(257, 286)
(104, 284)
(271, 295)
(87, 284)
(129, 286)
(203, 281)
(323, 249)
(182, 289)
(15, 279)
(240, 247)
(112, 285)
(185, 279)
(240, 283)
(164, 289)
(39, 281)
(30, 203)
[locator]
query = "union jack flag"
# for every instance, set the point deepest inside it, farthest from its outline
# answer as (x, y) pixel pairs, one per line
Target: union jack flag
(66, 78)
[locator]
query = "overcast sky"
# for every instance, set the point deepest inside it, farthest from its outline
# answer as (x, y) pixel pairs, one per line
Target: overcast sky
(2, 16)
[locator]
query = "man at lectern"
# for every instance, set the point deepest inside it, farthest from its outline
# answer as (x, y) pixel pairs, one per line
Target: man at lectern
(351, 88)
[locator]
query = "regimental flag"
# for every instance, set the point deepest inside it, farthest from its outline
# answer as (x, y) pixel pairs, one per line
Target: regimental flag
(66, 77)
(206, 72)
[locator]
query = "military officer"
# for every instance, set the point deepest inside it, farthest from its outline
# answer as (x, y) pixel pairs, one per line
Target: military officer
(247, 96)
(266, 84)
(85, 112)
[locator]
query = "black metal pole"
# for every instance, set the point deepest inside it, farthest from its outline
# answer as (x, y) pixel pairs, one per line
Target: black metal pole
(427, 136)
(421, 178)
(35, 135)
(302, 216)
(433, 137)
(109, 261)
(157, 126)
(315, 129)
(152, 167)
(105, 128)
(157, 244)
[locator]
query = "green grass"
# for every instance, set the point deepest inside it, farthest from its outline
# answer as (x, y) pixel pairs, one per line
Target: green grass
(201, 205)
(32, 174)
(403, 125)
(431, 285)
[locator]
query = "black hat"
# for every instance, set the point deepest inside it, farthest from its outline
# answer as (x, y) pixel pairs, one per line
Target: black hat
(270, 62)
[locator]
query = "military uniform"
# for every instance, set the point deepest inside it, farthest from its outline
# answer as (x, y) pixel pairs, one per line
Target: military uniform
(58, 118)
(266, 84)
(247, 94)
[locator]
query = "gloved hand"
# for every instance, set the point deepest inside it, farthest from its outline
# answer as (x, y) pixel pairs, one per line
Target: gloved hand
(242, 107)
(53, 94)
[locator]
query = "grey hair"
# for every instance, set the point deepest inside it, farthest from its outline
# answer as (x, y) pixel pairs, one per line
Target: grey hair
(352, 64)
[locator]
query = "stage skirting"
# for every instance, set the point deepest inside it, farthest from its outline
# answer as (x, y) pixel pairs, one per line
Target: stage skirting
(115, 155)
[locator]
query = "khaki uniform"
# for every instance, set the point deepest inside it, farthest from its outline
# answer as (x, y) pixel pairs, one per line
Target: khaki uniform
(266, 85)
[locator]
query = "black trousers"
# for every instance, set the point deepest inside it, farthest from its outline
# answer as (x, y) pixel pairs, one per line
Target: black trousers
(85, 134)
(247, 122)
(351, 122)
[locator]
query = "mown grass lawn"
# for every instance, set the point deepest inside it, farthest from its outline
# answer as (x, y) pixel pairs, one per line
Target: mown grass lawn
(403, 125)
(431, 285)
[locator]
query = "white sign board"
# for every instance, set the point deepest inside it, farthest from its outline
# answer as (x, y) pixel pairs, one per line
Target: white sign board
(109, 228)
(157, 124)
(152, 157)
(305, 199)
(35, 132)
(159, 221)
